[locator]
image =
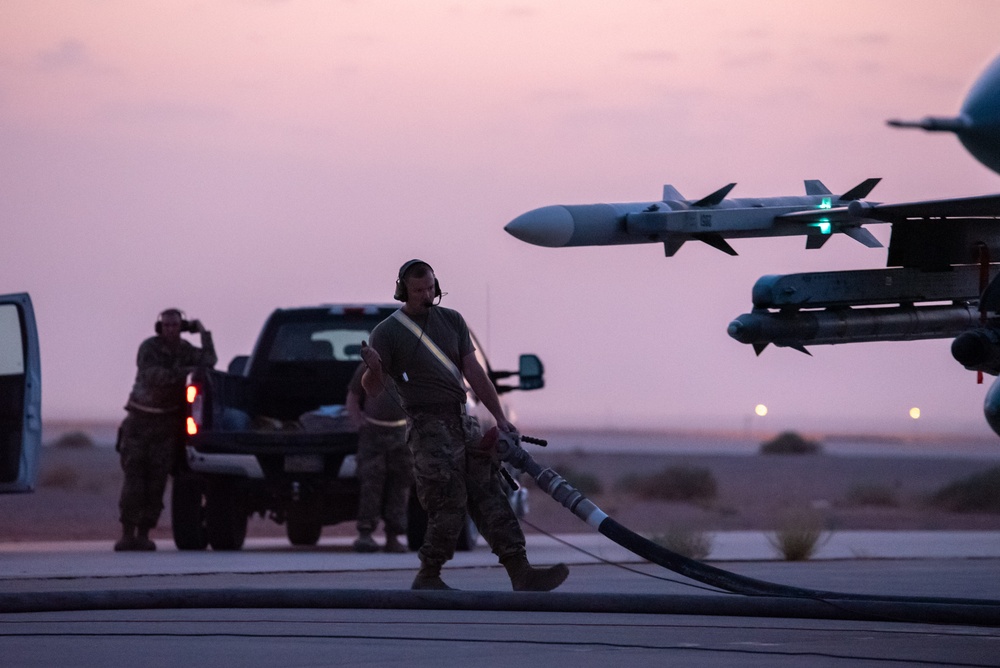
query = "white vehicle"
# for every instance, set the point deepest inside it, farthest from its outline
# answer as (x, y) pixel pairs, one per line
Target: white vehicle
(20, 395)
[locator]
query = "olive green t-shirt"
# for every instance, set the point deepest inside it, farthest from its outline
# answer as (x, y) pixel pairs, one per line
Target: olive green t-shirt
(419, 376)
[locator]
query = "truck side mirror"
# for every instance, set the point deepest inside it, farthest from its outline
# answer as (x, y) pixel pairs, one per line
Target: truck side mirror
(238, 365)
(530, 372)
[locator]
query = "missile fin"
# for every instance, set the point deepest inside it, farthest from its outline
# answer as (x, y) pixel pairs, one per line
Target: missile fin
(862, 236)
(672, 245)
(671, 194)
(860, 191)
(816, 187)
(716, 197)
(715, 241)
(801, 348)
(816, 240)
(758, 348)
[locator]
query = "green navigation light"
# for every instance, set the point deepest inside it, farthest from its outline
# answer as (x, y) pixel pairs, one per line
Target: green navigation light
(826, 203)
(823, 226)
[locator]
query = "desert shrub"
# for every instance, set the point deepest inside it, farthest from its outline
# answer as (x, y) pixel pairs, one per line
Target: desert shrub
(871, 495)
(61, 477)
(627, 483)
(677, 483)
(979, 493)
(587, 483)
(74, 439)
(689, 543)
(798, 537)
(790, 443)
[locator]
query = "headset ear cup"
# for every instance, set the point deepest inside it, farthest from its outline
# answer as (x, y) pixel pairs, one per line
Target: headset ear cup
(400, 294)
(437, 288)
(158, 328)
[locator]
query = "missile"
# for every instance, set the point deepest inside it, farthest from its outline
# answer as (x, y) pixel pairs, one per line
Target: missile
(799, 329)
(712, 219)
(825, 308)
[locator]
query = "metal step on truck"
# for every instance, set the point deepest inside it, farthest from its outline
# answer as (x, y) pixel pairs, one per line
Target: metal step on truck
(270, 436)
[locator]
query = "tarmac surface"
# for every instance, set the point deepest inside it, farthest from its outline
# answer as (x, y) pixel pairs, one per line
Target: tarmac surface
(81, 604)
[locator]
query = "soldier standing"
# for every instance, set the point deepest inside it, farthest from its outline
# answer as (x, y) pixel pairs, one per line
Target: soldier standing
(152, 433)
(425, 350)
(385, 467)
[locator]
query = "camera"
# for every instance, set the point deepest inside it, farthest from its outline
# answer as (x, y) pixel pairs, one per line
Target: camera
(189, 326)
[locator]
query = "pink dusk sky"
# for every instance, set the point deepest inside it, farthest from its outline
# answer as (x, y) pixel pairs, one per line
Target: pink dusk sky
(234, 156)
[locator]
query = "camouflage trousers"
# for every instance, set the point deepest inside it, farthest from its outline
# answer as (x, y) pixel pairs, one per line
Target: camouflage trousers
(385, 471)
(454, 476)
(148, 446)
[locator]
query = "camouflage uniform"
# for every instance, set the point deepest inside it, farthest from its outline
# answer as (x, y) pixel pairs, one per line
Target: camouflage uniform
(152, 433)
(452, 474)
(385, 469)
(148, 446)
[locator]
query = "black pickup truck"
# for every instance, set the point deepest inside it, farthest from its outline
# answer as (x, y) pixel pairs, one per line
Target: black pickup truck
(269, 435)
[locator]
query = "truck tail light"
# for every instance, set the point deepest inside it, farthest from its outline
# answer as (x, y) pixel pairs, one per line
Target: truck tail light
(195, 406)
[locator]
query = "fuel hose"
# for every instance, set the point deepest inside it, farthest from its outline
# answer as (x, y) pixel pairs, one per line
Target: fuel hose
(510, 451)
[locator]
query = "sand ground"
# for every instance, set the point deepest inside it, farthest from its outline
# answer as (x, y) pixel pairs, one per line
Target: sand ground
(78, 494)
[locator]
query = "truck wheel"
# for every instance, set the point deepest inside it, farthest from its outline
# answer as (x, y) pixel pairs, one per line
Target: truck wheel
(303, 532)
(187, 512)
(225, 515)
(416, 528)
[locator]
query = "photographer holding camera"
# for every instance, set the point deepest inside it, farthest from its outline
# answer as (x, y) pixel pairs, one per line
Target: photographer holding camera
(150, 437)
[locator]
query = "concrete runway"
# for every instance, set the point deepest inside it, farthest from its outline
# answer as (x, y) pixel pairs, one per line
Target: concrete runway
(272, 604)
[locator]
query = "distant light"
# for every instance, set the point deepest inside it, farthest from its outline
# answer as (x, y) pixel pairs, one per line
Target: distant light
(192, 393)
(192, 427)
(915, 413)
(760, 410)
(826, 203)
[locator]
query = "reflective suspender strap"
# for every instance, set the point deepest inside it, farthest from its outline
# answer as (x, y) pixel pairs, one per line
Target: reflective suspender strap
(430, 345)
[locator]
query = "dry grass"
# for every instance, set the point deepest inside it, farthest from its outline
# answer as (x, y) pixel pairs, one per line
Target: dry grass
(674, 483)
(686, 542)
(61, 477)
(979, 493)
(798, 536)
(74, 439)
(586, 483)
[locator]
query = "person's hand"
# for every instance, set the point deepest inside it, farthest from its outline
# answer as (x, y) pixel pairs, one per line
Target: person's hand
(505, 425)
(370, 356)
(198, 327)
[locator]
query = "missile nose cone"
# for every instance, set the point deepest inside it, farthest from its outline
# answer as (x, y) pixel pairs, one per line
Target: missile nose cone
(550, 226)
(744, 328)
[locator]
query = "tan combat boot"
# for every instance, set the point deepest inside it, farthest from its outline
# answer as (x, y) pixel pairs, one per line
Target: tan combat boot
(393, 545)
(127, 542)
(429, 577)
(142, 541)
(365, 542)
(524, 577)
